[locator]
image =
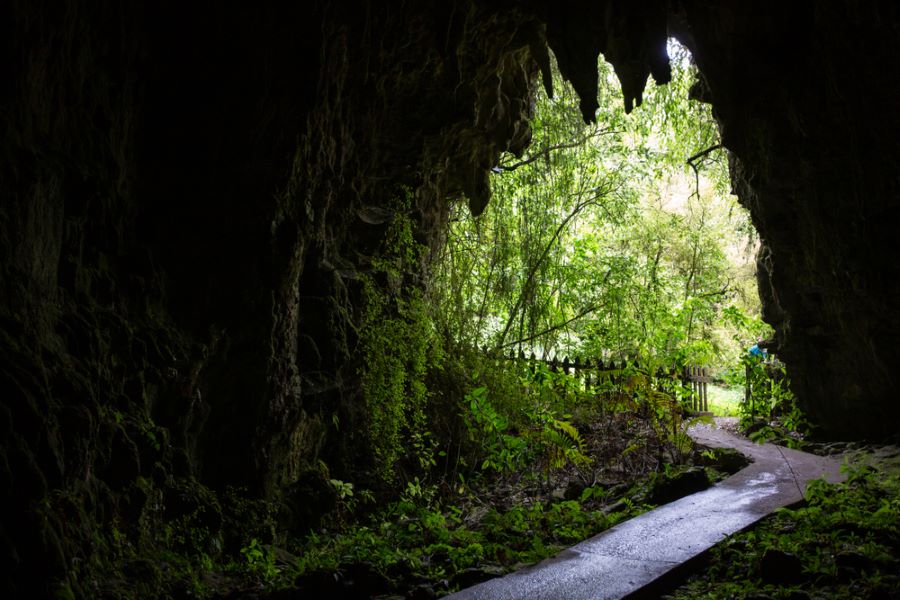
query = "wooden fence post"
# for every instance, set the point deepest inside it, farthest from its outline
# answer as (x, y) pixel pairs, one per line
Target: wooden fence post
(748, 391)
(579, 374)
(695, 389)
(705, 389)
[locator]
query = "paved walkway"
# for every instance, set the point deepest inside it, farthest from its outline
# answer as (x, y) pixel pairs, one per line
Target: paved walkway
(628, 557)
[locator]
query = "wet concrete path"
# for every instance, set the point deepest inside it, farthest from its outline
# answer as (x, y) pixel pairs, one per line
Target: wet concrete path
(628, 557)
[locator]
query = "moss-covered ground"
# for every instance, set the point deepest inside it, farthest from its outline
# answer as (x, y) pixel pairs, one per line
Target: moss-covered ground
(842, 541)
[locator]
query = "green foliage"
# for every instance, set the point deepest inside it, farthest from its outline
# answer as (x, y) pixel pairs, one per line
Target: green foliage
(545, 436)
(526, 433)
(725, 401)
(187, 542)
(424, 541)
(260, 560)
(562, 443)
(582, 250)
(844, 541)
(601, 239)
(399, 347)
(502, 451)
(395, 344)
(771, 412)
(343, 489)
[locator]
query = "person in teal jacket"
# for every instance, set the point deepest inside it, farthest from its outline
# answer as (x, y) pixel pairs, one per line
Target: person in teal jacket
(760, 353)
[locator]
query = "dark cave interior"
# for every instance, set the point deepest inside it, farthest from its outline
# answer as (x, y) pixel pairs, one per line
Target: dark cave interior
(187, 192)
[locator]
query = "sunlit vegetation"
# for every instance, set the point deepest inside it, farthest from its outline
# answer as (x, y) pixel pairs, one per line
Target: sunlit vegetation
(725, 401)
(603, 241)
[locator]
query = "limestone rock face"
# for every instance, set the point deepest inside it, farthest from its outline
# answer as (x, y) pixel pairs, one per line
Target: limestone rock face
(190, 199)
(192, 196)
(801, 98)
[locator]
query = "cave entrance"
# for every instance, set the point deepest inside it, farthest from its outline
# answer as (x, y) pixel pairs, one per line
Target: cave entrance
(614, 239)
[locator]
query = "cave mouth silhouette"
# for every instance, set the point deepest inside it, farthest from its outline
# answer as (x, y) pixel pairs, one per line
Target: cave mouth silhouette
(187, 195)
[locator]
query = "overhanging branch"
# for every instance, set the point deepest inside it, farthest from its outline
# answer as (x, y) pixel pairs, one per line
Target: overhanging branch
(692, 163)
(702, 153)
(545, 152)
(583, 313)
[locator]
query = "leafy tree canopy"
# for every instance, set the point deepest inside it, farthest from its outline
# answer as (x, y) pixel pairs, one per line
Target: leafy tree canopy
(603, 240)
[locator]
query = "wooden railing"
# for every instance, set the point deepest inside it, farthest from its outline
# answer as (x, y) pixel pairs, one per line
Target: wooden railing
(698, 378)
(589, 372)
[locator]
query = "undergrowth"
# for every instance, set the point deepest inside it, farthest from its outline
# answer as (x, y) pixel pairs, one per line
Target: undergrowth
(531, 463)
(419, 540)
(535, 463)
(843, 541)
(771, 413)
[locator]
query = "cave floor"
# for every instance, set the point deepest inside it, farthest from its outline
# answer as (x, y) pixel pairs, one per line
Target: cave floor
(629, 559)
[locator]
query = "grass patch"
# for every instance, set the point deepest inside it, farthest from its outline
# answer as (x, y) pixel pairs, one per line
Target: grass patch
(724, 401)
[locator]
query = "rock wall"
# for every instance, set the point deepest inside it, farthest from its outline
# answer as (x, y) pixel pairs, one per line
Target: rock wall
(143, 269)
(191, 197)
(801, 91)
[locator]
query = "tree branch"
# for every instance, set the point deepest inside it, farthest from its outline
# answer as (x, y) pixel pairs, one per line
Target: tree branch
(545, 152)
(697, 157)
(533, 271)
(583, 313)
(703, 153)
(721, 292)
